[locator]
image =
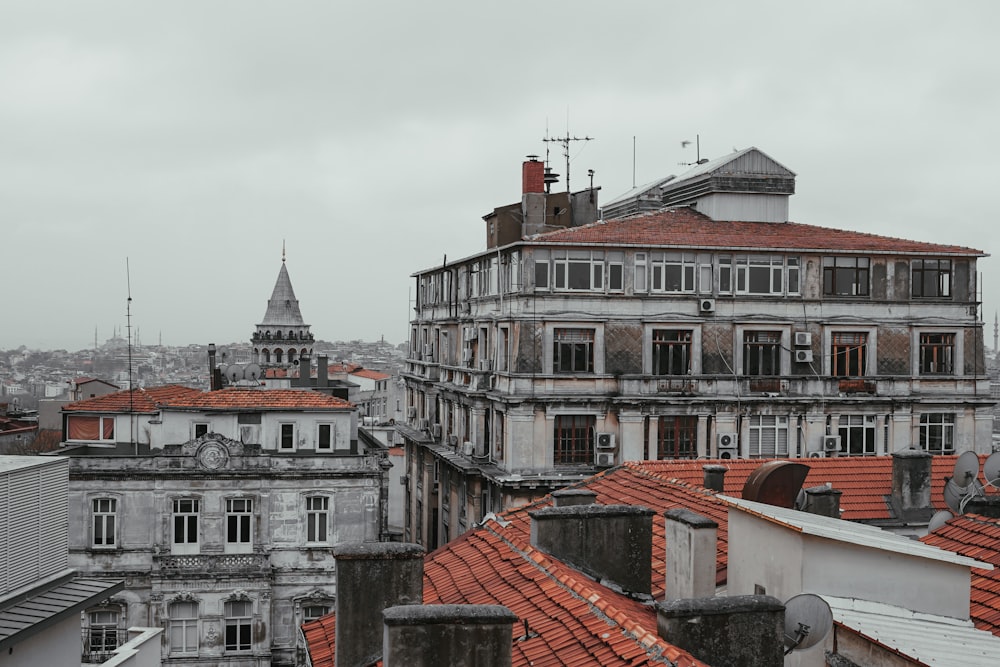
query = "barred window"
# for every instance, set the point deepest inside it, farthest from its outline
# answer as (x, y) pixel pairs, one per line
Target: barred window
(573, 439)
(677, 437)
(573, 351)
(848, 353)
(671, 352)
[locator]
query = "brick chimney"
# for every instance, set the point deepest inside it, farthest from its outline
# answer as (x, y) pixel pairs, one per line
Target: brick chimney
(737, 630)
(607, 542)
(911, 484)
(532, 176)
(372, 576)
(691, 554)
(447, 634)
(214, 373)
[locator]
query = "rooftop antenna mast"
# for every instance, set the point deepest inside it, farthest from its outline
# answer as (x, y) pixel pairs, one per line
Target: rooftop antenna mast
(128, 330)
(565, 141)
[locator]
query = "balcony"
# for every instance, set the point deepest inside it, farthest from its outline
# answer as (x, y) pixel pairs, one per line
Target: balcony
(187, 565)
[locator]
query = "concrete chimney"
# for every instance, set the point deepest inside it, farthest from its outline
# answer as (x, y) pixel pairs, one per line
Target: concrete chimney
(607, 542)
(823, 500)
(691, 554)
(322, 371)
(214, 374)
(737, 630)
(714, 477)
(571, 497)
(447, 634)
(372, 576)
(911, 484)
(532, 176)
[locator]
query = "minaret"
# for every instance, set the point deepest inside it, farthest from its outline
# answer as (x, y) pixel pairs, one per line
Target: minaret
(282, 337)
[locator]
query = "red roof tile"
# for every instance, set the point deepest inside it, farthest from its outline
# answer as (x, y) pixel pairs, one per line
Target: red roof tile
(976, 537)
(154, 399)
(370, 374)
(684, 227)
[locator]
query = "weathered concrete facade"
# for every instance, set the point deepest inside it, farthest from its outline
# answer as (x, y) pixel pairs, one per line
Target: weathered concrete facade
(676, 334)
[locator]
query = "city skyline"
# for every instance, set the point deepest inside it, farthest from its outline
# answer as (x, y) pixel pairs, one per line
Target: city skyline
(371, 139)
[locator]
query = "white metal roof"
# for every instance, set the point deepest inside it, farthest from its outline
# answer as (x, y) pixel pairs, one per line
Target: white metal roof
(850, 532)
(12, 463)
(931, 639)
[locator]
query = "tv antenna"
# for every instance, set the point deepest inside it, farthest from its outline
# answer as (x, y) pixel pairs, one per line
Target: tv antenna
(565, 141)
(128, 330)
(808, 620)
(697, 151)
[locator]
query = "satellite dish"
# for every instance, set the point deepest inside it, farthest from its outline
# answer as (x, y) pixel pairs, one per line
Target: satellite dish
(234, 373)
(938, 520)
(966, 469)
(953, 494)
(991, 470)
(808, 620)
(252, 372)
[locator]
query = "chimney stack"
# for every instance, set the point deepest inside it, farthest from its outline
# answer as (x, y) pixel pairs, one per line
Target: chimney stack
(322, 370)
(572, 497)
(607, 542)
(372, 576)
(447, 634)
(532, 176)
(737, 630)
(714, 477)
(823, 500)
(911, 484)
(691, 554)
(214, 374)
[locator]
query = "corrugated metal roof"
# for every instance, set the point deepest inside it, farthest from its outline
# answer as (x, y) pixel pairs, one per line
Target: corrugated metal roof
(12, 463)
(933, 640)
(853, 533)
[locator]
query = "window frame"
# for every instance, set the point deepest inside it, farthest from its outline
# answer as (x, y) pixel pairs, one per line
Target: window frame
(102, 518)
(676, 437)
(663, 350)
(781, 272)
(291, 429)
(185, 626)
(757, 430)
(753, 352)
(928, 351)
(937, 274)
(851, 428)
(572, 352)
(203, 427)
(330, 437)
(838, 269)
(317, 524)
(841, 353)
(238, 629)
(103, 637)
(573, 439)
(937, 427)
(185, 522)
(239, 524)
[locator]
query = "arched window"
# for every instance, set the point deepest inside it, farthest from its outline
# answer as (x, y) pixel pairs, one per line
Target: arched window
(291, 356)
(303, 352)
(267, 355)
(291, 335)
(183, 627)
(267, 335)
(101, 634)
(277, 356)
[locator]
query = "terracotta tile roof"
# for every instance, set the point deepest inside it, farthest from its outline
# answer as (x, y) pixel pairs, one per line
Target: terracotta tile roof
(320, 637)
(154, 399)
(370, 374)
(977, 537)
(686, 228)
(264, 399)
(143, 401)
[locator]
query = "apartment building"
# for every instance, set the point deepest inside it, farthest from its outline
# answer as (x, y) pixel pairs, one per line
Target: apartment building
(711, 326)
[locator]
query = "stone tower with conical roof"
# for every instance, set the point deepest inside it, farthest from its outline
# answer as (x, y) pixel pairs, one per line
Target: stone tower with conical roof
(282, 338)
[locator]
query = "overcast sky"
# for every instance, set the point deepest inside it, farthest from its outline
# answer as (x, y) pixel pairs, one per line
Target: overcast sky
(193, 137)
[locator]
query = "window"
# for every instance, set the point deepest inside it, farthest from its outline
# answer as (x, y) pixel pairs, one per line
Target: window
(105, 511)
(101, 634)
(937, 353)
(857, 435)
(671, 352)
(81, 427)
(573, 351)
(845, 276)
(541, 273)
(313, 611)
(768, 436)
(763, 274)
(317, 518)
(937, 433)
(641, 269)
(672, 272)
(573, 440)
(239, 524)
(287, 441)
(725, 275)
(186, 524)
(931, 278)
(324, 437)
(762, 353)
(677, 438)
(200, 429)
(183, 627)
(848, 353)
(578, 270)
(238, 624)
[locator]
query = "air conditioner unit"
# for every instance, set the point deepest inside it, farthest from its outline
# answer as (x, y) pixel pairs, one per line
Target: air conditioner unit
(468, 448)
(423, 424)
(466, 355)
(436, 431)
(831, 443)
(486, 364)
(815, 455)
(706, 305)
(604, 459)
(804, 356)
(728, 446)
(606, 441)
(453, 440)
(803, 338)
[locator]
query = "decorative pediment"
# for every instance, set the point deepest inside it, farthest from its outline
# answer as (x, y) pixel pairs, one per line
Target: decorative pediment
(238, 595)
(183, 596)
